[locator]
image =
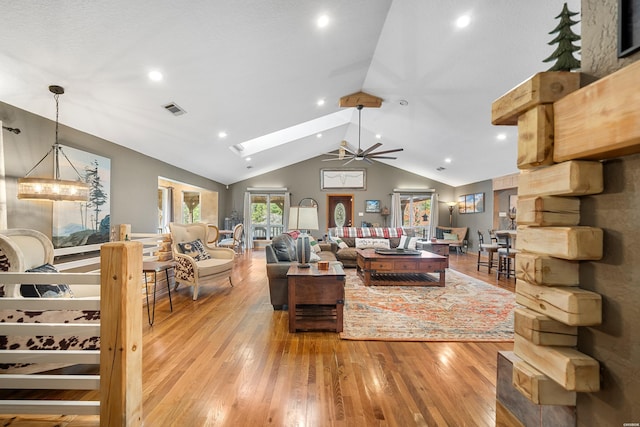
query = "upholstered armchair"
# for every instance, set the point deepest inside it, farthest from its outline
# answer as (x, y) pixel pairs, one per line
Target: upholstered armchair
(198, 263)
(22, 249)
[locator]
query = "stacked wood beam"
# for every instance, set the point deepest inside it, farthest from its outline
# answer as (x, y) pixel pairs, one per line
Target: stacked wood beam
(564, 132)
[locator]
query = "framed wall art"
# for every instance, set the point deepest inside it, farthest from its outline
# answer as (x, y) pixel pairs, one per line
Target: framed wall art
(471, 203)
(628, 27)
(84, 223)
(331, 179)
(372, 206)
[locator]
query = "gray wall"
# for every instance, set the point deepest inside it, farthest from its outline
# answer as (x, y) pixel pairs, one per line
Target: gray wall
(475, 221)
(134, 176)
(615, 343)
(303, 180)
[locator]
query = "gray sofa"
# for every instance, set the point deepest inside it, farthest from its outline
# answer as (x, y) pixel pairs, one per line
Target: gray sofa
(280, 254)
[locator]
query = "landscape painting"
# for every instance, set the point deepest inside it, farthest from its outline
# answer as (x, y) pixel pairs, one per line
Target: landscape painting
(83, 223)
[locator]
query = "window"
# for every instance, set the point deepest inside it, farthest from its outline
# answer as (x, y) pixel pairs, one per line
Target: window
(190, 207)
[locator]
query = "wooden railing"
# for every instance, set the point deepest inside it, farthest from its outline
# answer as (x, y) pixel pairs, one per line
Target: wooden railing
(120, 331)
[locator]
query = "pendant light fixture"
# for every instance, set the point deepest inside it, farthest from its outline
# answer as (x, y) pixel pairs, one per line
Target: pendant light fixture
(54, 189)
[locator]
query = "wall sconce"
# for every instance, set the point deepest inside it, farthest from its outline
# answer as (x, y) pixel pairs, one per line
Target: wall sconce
(54, 189)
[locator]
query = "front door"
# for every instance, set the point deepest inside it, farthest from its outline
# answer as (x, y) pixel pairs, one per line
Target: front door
(340, 210)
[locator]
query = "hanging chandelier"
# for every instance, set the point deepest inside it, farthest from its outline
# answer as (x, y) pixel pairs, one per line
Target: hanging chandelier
(55, 189)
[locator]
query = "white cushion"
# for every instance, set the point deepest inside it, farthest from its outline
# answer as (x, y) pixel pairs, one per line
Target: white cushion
(371, 243)
(341, 243)
(408, 242)
(315, 247)
(450, 236)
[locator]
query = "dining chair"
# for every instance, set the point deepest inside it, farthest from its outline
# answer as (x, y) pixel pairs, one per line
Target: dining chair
(488, 249)
(213, 234)
(506, 256)
(235, 241)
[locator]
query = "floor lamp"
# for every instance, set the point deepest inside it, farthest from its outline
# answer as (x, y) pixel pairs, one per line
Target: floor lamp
(303, 218)
(451, 206)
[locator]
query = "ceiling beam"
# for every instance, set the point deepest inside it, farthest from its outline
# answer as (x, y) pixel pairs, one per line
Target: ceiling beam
(360, 98)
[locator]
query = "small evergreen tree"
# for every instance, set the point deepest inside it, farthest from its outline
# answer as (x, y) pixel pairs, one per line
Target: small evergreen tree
(97, 196)
(563, 55)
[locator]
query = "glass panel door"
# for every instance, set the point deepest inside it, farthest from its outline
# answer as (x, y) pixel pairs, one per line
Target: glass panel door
(267, 215)
(416, 212)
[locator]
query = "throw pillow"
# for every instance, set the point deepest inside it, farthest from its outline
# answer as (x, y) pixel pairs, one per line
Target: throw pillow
(450, 236)
(315, 247)
(293, 233)
(45, 291)
(195, 250)
(314, 257)
(372, 243)
(341, 243)
(408, 242)
(440, 233)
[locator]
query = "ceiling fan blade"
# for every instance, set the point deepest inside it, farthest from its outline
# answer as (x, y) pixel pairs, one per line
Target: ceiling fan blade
(331, 160)
(351, 160)
(368, 160)
(395, 150)
(379, 157)
(370, 149)
(348, 147)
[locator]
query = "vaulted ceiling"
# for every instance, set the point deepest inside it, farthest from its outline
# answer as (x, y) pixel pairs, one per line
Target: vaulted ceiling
(256, 69)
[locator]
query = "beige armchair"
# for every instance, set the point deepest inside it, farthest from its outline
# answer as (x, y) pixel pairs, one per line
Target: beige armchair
(193, 271)
(20, 250)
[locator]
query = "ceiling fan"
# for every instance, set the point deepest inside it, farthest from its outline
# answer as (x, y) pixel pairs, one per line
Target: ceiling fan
(346, 151)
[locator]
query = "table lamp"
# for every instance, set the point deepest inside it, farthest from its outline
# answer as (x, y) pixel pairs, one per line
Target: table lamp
(303, 218)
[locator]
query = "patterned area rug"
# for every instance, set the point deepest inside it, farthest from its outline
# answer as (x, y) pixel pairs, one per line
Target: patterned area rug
(465, 309)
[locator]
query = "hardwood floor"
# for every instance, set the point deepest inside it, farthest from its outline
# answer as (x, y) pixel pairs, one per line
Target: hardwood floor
(228, 359)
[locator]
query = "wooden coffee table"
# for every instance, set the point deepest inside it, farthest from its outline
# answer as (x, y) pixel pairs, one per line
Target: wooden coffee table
(401, 270)
(316, 297)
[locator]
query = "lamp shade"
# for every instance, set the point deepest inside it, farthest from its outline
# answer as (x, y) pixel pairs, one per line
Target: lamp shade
(303, 218)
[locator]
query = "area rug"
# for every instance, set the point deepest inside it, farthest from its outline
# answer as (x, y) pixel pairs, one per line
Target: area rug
(465, 309)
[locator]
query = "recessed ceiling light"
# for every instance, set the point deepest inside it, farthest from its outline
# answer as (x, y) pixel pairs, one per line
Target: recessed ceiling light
(222, 134)
(248, 159)
(155, 75)
(318, 135)
(447, 160)
(501, 136)
(378, 136)
(320, 102)
(463, 21)
(323, 21)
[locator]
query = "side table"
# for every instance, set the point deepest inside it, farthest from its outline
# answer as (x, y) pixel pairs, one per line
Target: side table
(316, 297)
(438, 247)
(156, 267)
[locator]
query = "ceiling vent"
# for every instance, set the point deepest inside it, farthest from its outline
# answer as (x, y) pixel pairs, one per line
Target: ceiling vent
(174, 109)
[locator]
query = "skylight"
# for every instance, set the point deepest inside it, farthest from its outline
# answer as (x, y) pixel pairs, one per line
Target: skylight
(293, 133)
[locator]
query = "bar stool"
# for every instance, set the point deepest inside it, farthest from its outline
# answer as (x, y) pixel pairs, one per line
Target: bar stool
(489, 249)
(506, 254)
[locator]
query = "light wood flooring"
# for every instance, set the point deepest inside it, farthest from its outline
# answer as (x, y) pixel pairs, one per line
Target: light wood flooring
(228, 359)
